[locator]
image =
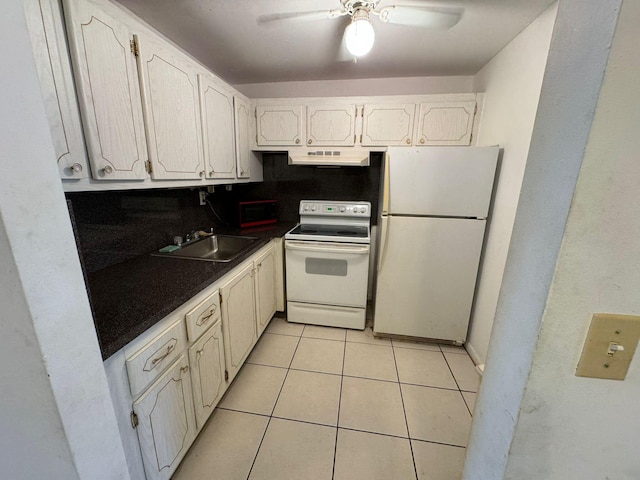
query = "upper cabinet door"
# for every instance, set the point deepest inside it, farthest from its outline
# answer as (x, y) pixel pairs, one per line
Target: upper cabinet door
(280, 125)
(445, 123)
(332, 125)
(217, 129)
(243, 149)
(54, 69)
(172, 111)
(388, 124)
(108, 92)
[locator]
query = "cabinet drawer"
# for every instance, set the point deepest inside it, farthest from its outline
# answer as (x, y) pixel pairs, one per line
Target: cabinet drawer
(146, 364)
(203, 316)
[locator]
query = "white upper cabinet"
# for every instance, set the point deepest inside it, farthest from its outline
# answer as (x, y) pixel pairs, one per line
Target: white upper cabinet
(218, 136)
(445, 123)
(243, 150)
(387, 124)
(331, 125)
(172, 111)
(54, 69)
(108, 91)
(280, 125)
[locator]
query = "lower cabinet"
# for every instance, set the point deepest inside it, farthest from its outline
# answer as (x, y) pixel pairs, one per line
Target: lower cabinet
(206, 358)
(265, 288)
(238, 318)
(167, 382)
(166, 423)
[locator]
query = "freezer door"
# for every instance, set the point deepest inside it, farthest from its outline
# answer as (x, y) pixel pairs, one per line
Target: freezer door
(439, 181)
(427, 269)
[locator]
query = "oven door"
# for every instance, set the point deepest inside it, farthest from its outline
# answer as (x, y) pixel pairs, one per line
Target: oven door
(327, 273)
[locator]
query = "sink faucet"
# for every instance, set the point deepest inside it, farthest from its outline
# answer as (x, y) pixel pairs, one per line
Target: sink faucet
(192, 236)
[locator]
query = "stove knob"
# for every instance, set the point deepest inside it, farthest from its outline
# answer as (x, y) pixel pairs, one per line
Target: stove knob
(342, 209)
(313, 208)
(306, 208)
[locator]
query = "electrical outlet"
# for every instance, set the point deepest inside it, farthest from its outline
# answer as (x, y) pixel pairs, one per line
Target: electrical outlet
(203, 197)
(609, 347)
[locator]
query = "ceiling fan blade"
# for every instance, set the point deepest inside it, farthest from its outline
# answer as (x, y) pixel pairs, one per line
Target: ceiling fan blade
(419, 17)
(299, 16)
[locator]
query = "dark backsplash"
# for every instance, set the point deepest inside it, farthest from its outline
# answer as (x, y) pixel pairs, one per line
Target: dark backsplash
(113, 227)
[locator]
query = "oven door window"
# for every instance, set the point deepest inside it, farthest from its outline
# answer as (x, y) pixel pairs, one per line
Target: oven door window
(326, 266)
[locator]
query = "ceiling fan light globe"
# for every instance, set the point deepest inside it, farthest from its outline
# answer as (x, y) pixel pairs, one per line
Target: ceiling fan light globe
(359, 37)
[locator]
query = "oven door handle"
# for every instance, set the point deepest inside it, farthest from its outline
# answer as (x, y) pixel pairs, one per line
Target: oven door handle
(326, 248)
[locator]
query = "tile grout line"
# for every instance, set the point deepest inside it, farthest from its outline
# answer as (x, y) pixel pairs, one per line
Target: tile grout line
(335, 447)
(404, 411)
(456, 380)
(274, 407)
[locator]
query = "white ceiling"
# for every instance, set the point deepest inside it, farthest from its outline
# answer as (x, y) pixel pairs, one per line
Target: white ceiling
(224, 35)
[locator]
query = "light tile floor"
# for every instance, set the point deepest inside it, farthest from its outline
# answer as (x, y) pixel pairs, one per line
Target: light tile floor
(327, 403)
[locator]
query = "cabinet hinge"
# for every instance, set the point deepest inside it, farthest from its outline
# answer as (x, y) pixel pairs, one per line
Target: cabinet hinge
(355, 138)
(134, 47)
(220, 295)
(360, 138)
(148, 167)
(226, 376)
(475, 109)
(134, 419)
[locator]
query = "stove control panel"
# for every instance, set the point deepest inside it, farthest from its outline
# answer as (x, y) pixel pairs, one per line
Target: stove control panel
(337, 209)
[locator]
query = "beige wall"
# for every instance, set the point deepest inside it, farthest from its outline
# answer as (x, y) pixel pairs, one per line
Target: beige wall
(363, 87)
(512, 82)
(581, 427)
(57, 420)
(569, 256)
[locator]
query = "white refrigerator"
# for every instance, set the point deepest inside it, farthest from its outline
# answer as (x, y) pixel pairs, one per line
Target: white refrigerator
(433, 213)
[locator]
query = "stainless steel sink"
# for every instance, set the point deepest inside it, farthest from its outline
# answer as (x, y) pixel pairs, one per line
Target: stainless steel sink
(217, 248)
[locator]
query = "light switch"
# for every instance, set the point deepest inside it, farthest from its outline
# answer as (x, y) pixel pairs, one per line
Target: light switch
(610, 345)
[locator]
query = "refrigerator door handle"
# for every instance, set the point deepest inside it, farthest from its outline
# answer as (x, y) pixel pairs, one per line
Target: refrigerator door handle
(386, 186)
(383, 239)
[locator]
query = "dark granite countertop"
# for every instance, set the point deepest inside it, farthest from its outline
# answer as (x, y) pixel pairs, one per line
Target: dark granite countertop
(130, 297)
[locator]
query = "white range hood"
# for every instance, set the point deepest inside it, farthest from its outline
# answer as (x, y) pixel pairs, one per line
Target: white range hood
(329, 157)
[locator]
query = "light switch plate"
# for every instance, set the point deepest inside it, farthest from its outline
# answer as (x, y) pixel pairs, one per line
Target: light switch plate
(609, 329)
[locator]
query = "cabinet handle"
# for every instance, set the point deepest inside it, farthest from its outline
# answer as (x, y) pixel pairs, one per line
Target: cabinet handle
(253, 272)
(408, 141)
(185, 369)
(297, 141)
(422, 141)
(76, 168)
(199, 353)
(201, 173)
(309, 142)
(211, 173)
(165, 355)
(260, 265)
(203, 320)
(107, 169)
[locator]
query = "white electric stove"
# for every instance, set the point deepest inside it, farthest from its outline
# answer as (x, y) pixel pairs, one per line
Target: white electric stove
(327, 260)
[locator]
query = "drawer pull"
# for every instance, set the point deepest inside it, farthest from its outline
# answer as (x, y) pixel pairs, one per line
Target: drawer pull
(199, 353)
(165, 355)
(185, 369)
(202, 320)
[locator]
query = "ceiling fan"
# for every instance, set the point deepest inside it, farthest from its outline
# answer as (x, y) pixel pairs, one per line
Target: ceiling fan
(359, 34)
